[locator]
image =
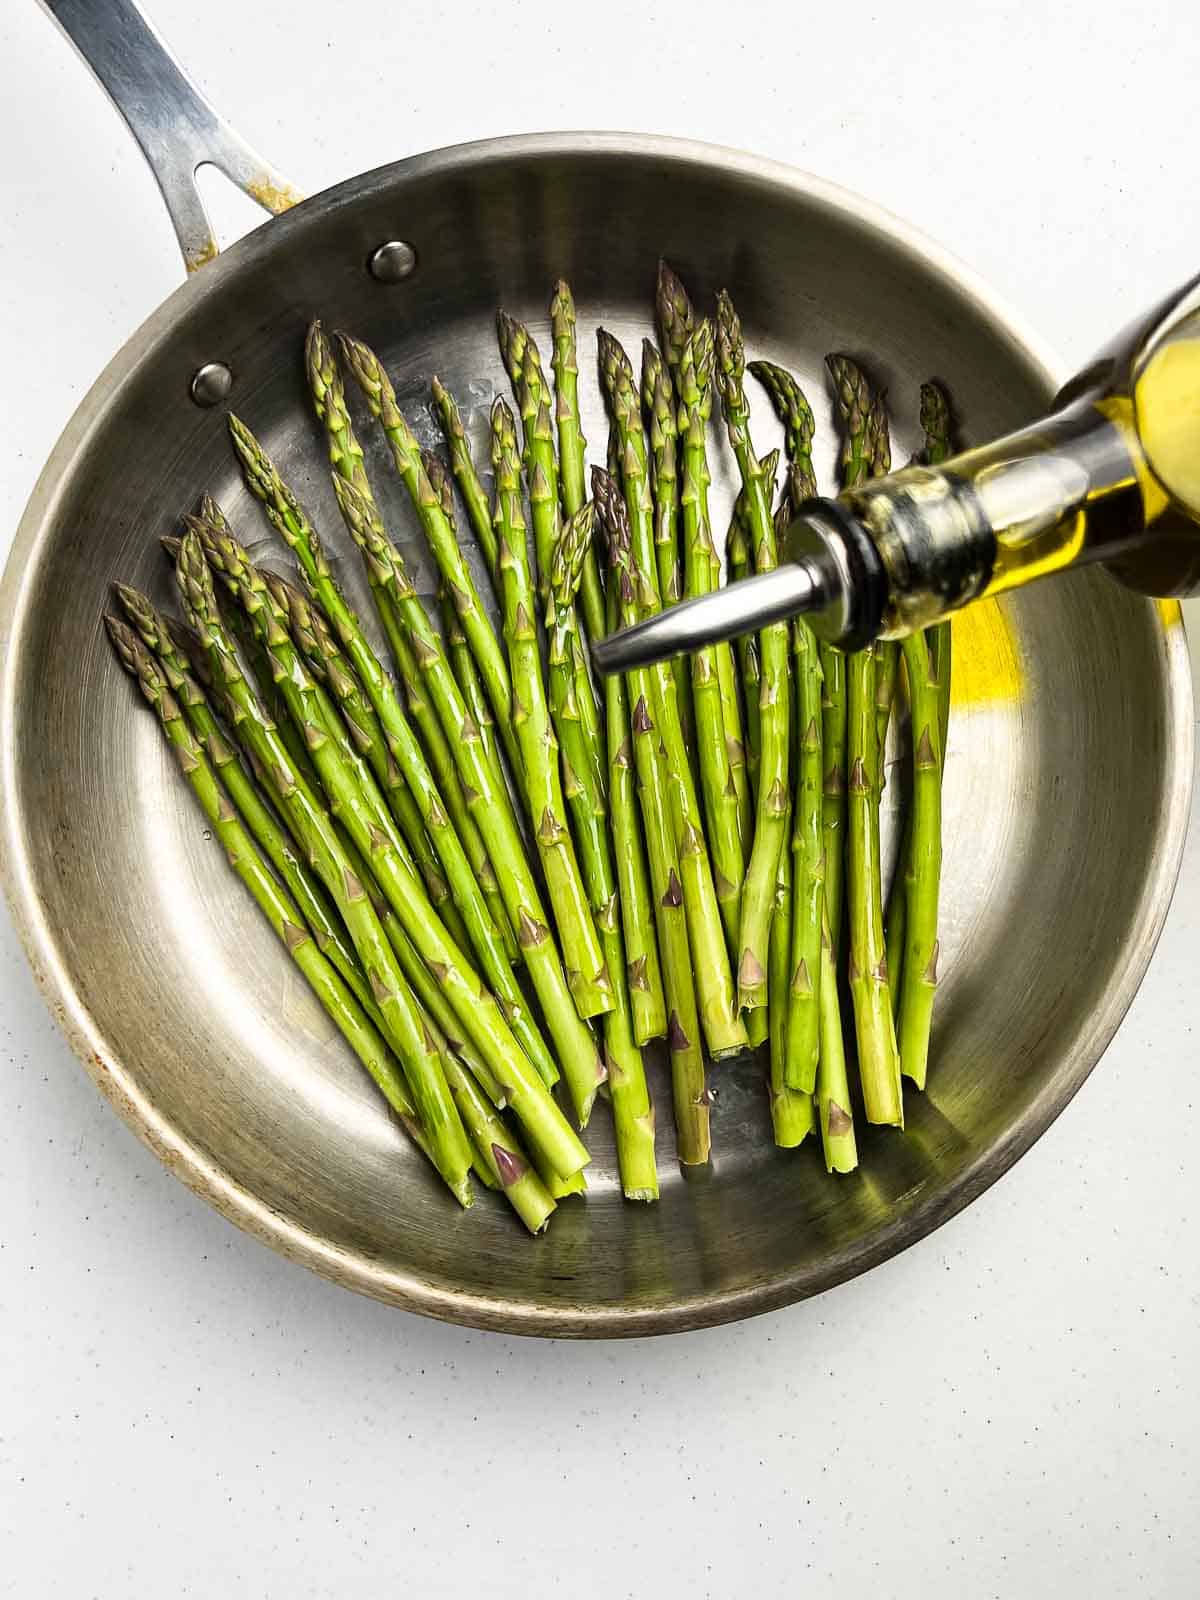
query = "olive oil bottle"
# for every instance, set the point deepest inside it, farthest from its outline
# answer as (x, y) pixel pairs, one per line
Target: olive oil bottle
(1111, 475)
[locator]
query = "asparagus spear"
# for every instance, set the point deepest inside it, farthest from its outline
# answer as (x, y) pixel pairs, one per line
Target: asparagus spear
(658, 407)
(484, 918)
(808, 848)
(774, 702)
(643, 970)
(688, 1090)
(632, 1112)
(676, 319)
(523, 362)
(475, 497)
(924, 865)
(852, 397)
(878, 1060)
(834, 1111)
(317, 836)
(586, 970)
(321, 651)
(792, 1114)
(715, 744)
(258, 595)
(359, 809)
(576, 1049)
(254, 654)
(935, 421)
(887, 651)
(503, 1158)
(737, 557)
(346, 457)
(474, 697)
(466, 675)
(478, 1012)
(878, 1057)
(381, 401)
(572, 447)
(723, 1029)
(794, 411)
(305, 890)
(277, 906)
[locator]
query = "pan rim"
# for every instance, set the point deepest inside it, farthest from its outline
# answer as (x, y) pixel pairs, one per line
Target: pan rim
(238, 1203)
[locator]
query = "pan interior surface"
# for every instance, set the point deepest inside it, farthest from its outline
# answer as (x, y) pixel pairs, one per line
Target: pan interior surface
(1066, 779)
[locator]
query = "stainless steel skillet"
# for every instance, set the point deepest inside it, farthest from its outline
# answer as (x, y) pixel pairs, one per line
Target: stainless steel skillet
(1067, 781)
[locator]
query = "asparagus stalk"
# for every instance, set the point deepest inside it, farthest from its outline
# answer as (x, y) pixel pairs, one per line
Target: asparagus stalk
(834, 1111)
(572, 447)
(358, 810)
(299, 881)
(662, 431)
(477, 1010)
(325, 660)
(723, 1029)
(715, 744)
(689, 1092)
(504, 1160)
(925, 863)
(642, 967)
(469, 901)
(277, 906)
(484, 919)
(490, 802)
(475, 497)
(878, 1056)
(586, 969)
(318, 837)
(632, 1112)
(523, 362)
(792, 1114)
(737, 557)
(440, 535)
(346, 458)
(466, 675)
(852, 397)
(794, 411)
(676, 319)
(255, 655)
(808, 849)
(887, 651)
(658, 407)
(878, 1059)
(935, 420)
(484, 721)
(731, 706)
(774, 701)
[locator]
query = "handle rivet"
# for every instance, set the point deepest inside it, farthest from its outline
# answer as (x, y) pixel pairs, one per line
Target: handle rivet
(211, 383)
(392, 262)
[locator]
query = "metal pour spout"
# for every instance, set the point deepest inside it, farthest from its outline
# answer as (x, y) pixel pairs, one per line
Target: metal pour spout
(831, 574)
(742, 607)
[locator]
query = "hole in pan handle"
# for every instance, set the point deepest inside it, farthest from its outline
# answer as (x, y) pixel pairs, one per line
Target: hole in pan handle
(176, 127)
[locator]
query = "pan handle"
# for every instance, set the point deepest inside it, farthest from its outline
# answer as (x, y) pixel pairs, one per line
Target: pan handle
(177, 129)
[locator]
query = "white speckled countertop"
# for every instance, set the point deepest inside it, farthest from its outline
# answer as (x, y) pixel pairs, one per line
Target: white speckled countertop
(1009, 1409)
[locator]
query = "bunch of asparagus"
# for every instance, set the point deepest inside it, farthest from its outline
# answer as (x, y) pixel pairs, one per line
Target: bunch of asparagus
(496, 872)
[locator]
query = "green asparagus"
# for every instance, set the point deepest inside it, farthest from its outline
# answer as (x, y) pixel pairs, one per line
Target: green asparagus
(723, 1029)
(689, 1091)
(775, 695)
